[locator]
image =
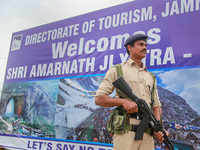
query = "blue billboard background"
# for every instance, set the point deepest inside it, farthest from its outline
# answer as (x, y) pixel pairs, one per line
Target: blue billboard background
(54, 70)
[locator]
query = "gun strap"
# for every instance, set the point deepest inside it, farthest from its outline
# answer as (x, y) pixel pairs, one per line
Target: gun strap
(152, 91)
(119, 74)
(119, 70)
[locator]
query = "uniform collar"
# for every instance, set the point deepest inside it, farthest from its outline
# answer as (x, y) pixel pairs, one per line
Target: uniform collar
(132, 63)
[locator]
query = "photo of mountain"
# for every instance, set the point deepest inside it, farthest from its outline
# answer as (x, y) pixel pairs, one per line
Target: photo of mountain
(65, 108)
(28, 108)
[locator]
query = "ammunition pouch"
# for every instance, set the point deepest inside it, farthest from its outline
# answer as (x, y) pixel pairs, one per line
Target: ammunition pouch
(118, 121)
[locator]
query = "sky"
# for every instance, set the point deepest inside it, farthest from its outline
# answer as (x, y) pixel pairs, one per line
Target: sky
(17, 15)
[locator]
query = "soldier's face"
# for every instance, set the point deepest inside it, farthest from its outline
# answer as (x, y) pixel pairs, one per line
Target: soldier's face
(138, 50)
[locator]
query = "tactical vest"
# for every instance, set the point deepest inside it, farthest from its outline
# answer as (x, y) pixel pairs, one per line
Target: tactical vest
(119, 123)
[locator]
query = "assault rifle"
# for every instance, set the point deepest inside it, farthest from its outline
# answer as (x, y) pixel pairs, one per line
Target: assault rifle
(146, 115)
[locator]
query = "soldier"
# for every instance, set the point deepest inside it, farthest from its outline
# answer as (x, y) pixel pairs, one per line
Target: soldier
(142, 83)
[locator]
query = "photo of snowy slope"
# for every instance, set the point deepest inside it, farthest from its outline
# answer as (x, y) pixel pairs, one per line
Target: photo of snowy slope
(75, 104)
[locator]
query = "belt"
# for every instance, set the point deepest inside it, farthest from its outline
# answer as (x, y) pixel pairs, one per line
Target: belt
(134, 115)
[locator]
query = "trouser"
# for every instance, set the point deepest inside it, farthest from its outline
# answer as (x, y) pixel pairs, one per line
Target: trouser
(127, 141)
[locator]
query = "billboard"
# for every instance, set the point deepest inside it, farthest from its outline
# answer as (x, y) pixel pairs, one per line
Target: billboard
(54, 70)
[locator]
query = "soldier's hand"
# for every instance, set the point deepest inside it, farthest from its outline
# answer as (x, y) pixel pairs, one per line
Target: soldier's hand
(159, 136)
(130, 106)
